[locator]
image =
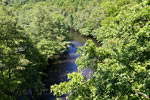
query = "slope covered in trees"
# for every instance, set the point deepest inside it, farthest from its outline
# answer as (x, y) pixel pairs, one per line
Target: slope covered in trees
(29, 36)
(121, 64)
(33, 31)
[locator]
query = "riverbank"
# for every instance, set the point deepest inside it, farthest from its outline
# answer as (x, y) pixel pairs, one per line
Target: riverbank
(58, 69)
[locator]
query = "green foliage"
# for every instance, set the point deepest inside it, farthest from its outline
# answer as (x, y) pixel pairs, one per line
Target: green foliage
(33, 31)
(10, 39)
(46, 28)
(121, 64)
(30, 35)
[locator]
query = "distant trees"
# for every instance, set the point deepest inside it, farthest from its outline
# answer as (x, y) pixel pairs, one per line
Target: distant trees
(121, 64)
(29, 36)
(33, 31)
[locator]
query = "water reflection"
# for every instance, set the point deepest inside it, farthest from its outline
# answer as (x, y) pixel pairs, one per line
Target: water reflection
(58, 70)
(82, 39)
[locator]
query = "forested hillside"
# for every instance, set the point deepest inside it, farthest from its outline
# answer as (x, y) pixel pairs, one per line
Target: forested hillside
(121, 63)
(30, 34)
(34, 31)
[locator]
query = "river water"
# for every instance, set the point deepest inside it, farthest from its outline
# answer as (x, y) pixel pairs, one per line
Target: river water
(58, 70)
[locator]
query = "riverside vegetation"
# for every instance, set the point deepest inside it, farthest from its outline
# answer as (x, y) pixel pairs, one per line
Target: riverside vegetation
(33, 31)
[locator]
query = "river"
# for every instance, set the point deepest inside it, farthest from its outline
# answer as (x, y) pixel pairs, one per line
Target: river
(58, 70)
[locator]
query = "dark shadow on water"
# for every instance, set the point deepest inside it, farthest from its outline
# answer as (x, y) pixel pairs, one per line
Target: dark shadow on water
(58, 70)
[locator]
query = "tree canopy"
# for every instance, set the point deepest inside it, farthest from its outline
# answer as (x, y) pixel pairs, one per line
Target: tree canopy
(34, 31)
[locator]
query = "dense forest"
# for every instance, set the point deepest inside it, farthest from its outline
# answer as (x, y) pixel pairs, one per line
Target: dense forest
(34, 31)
